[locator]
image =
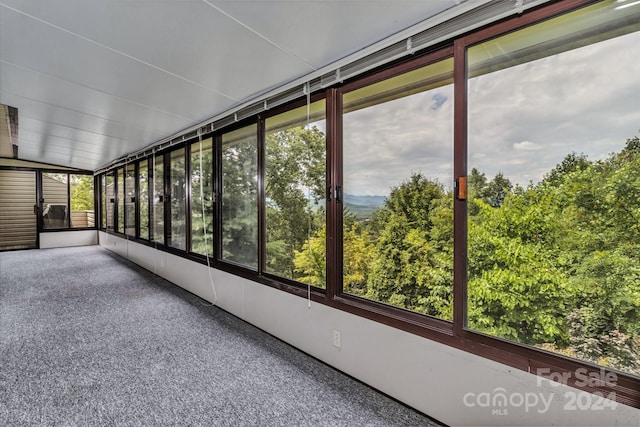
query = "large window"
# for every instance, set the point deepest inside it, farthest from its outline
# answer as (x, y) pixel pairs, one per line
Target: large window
(554, 186)
(110, 194)
(240, 197)
(103, 201)
(158, 198)
(295, 183)
(55, 196)
(120, 197)
(177, 179)
(143, 198)
(202, 197)
(82, 201)
(506, 226)
(61, 189)
(130, 199)
(398, 203)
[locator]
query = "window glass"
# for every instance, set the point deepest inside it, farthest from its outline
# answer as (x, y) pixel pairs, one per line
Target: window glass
(554, 186)
(143, 183)
(295, 182)
(398, 204)
(103, 201)
(158, 199)
(130, 199)
(55, 209)
(82, 201)
(120, 196)
(110, 194)
(178, 237)
(201, 197)
(240, 197)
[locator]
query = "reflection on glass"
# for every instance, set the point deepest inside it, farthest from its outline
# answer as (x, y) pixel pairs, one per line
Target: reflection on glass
(240, 197)
(130, 200)
(158, 199)
(178, 237)
(82, 212)
(120, 196)
(201, 197)
(55, 210)
(143, 183)
(103, 201)
(110, 194)
(554, 187)
(398, 203)
(295, 181)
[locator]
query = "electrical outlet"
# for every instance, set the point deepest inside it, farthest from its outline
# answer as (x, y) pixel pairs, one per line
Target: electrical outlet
(337, 339)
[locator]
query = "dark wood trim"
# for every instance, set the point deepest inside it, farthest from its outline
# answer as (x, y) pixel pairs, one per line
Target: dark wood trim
(411, 65)
(517, 22)
(333, 272)
(459, 206)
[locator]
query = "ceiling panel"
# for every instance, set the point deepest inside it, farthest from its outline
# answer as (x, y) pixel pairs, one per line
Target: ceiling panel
(189, 39)
(71, 58)
(96, 80)
(32, 86)
(321, 32)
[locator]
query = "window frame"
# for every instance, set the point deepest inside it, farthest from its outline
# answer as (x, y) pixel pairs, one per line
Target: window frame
(139, 210)
(169, 196)
(534, 360)
(189, 173)
(270, 278)
(454, 333)
(68, 173)
(379, 310)
(238, 267)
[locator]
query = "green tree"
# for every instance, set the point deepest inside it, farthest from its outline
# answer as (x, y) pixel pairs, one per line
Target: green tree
(311, 263)
(295, 177)
(202, 176)
(515, 289)
(412, 265)
(240, 202)
(556, 265)
(81, 192)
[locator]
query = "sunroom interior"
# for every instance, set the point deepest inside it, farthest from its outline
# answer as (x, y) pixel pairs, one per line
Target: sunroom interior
(440, 199)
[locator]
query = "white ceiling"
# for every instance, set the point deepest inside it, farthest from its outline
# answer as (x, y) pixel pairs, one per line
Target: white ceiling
(94, 80)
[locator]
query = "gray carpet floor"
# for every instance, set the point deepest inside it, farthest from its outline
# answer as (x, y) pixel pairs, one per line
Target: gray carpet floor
(87, 338)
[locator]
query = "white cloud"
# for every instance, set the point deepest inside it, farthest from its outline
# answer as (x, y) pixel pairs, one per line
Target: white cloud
(522, 120)
(527, 146)
(570, 102)
(383, 145)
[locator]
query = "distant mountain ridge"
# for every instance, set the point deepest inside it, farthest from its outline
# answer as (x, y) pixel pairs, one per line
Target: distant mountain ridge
(373, 201)
(363, 206)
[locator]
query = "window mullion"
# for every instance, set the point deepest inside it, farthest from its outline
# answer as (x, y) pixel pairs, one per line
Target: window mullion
(262, 215)
(334, 179)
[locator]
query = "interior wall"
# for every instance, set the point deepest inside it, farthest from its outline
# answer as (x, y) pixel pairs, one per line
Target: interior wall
(62, 239)
(448, 384)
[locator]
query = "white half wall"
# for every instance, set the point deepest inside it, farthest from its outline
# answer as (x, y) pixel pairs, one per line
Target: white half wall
(62, 239)
(450, 385)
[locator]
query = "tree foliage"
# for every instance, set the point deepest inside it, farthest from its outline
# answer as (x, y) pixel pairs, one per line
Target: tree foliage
(81, 192)
(554, 265)
(295, 179)
(240, 202)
